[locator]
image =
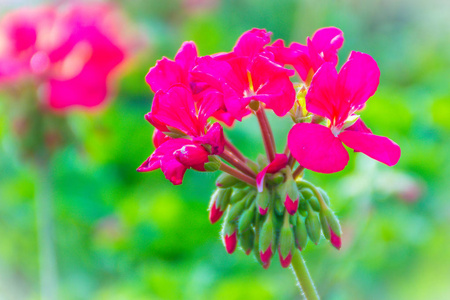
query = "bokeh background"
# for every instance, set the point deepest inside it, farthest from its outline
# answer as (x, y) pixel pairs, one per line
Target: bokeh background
(125, 235)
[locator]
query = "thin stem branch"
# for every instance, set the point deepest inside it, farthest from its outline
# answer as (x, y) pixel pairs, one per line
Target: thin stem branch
(232, 148)
(241, 176)
(303, 277)
(267, 134)
(298, 171)
(45, 228)
(235, 162)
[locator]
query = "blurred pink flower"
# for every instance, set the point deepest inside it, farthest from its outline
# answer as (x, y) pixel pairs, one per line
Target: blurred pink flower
(70, 51)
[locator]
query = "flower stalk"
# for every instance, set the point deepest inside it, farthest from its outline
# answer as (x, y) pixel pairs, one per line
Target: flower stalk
(238, 164)
(304, 279)
(267, 134)
(232, 148)
(239, 175)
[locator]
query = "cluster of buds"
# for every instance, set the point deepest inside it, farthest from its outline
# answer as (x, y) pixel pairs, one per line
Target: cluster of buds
(268, 204)
(281, 217)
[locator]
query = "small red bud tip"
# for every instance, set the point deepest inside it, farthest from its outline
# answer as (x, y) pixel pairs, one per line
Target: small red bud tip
(265, 256)
(248, 251)
(230, 242)
(335, 240)
(285, 262)
(215, 213)
(291, 206)
(266, 265)
(262, 211)
(219, 184)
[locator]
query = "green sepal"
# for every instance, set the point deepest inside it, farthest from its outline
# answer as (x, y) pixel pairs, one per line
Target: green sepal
(325, 226)
(286, 241)
(333, 221)
(263, 198)
(238, 195)
(246, 218)
(211, 166)
(266, 236)
(301, 235)
(247, 239)
(225, 180)
(224, 198)
(314, 203)
(313, 226)
(235, 210)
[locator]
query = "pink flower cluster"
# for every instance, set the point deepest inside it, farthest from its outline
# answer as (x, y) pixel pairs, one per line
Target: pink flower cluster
(68, 51)
(258, 74)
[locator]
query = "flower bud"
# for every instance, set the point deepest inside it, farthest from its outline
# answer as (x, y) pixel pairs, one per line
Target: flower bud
(314, 203)
(301, 235)
(246, 240)
(266, 256)
(262, 200)
(324, 196)
(334, 228)
(292, 197)
(313, 226)
(286, 244)
(266, 240)
(230, 242)
(279, 197)
(218, 204)
(238, 195)
(235, 210)
(211, 166)
(246, 218)
(225, 180)
(325, 226)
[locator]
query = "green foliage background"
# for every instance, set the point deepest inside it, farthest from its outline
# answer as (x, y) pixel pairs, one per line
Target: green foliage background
(124, 235)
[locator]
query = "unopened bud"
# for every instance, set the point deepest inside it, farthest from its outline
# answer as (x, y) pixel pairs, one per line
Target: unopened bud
(286, 244)
(235, 210)
(246, 218)
(246, 240)
(225, 180)
(218, 204)
(314, 203)
(325, 226)
(324, 196)
(211, 166)
(301, 235)
(292, 197)
(238, 195)
(266, 256)
(230, 237)
(313, 226)
(266, 236)
(334, 228)
(262, 200)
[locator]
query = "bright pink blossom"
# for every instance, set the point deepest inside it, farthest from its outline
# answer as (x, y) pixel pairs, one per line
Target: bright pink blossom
(336, 97)
(319, 49)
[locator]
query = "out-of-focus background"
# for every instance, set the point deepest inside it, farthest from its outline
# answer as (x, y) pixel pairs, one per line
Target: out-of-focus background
(125, 235)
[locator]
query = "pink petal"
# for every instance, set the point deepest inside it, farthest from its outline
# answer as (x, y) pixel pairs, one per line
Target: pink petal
(175, 108)
(377, 147)
(328, 41)
(359, 126)
(321, 95)
(165, 74)
(191, 155)
(214, 137)
(316, 148)
(357, 81)
(186, 56)
(230, 242)
(252, 42)
(276, 165)
(159, 138)
(211, 102)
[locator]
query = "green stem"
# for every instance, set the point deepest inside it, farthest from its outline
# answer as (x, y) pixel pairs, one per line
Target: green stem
(266, 131)
(239, 175)
(303, 277)
(238, 164)
(46, 241)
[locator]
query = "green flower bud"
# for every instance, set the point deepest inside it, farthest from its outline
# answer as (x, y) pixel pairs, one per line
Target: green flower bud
(266, 236)
(241, 185)
(333, 221)
(306, 193)
(314, 203)
(313, 226)
(261, 160)
(211, 166)
(325, 226)
(225, 180)
(324, 196)
(301, 235)
(291, 189)
(262, 200)
(286, 242)
(235, 210)
(246, 240)
(238, 195)
(253, 166)
(276, 179)
(223, 198)
(246, 218)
